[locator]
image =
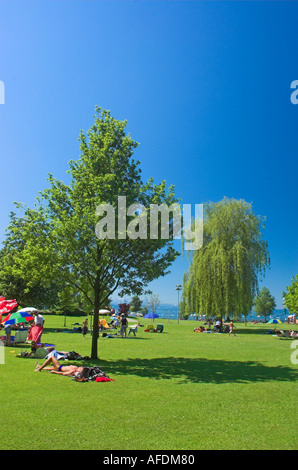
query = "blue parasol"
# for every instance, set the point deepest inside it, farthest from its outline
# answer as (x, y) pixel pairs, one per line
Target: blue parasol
(151, 315)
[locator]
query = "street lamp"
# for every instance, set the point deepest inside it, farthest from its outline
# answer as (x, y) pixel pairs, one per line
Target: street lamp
(285, 310)
(178, 288)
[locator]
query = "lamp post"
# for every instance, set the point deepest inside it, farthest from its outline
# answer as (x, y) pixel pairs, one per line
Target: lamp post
(178, 288)
(285, 310)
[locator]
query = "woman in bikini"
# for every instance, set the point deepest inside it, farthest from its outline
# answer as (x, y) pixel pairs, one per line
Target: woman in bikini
(56, 368)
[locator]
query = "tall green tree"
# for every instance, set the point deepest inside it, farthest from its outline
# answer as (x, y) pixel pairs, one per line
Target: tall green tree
(223, 274)
(135, 304)
(291, 296)
(264, 303)
(60, 238)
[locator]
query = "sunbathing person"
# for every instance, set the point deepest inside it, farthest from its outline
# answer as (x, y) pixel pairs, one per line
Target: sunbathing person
(287, 334)
(56, 368)
(200, 329)
(37, 352)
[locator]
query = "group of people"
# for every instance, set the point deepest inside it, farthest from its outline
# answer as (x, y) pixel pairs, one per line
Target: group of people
(52, 365)
(34, 333)
(121, 321)
(218, 327)
(52, 357)
(284, 334)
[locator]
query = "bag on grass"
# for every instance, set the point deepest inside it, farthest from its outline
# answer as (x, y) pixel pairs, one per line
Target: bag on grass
(90, 374)
(72, 355)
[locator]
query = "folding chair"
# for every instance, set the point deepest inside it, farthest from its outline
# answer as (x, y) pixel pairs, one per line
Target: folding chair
(20, 337)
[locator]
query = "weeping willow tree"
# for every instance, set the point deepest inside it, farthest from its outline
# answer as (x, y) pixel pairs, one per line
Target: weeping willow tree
(223, 275)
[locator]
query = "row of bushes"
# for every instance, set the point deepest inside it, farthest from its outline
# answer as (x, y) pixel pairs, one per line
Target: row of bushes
(76, 312)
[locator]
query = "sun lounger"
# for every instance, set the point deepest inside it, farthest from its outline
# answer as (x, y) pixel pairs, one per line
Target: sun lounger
(133, 329)
(149, 328)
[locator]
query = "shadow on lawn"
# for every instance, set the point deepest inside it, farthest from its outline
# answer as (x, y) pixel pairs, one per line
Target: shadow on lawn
(200, 370)
(256, 331)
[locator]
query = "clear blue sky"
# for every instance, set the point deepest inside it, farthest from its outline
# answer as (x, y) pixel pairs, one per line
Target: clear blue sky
(205, 87)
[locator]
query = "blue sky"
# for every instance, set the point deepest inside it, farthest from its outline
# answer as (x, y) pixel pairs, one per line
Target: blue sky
(205, 87)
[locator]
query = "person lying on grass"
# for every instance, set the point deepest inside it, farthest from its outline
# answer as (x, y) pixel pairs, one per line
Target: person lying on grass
(56, 368)
(80, 374)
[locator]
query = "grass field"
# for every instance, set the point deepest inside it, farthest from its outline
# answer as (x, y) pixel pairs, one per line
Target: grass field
(176, 390)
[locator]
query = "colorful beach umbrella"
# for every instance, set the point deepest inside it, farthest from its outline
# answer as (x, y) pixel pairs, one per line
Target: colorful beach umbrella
(17, 317)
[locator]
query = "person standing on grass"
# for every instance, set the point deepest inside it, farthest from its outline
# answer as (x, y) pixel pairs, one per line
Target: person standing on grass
(36, 329)
(231, 327)
(124, 324)
(85, 327)
(7, 330)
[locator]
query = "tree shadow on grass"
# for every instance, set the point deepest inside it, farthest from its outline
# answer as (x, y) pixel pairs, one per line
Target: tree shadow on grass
(62, 329)
(202, 370)
(255, 331)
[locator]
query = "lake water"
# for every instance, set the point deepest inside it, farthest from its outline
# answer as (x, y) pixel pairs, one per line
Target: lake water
(171, 314)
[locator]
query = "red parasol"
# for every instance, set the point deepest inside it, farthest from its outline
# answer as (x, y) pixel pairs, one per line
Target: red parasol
(7, 306)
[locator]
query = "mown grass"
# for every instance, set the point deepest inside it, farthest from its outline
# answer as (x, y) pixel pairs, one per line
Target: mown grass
(177, 390)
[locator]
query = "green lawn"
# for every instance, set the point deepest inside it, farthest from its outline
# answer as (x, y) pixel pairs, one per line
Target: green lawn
(177, 390)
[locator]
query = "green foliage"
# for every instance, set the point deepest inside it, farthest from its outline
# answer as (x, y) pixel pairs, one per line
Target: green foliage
(16, 283)
(264, 303)
(135, 304)
(144, 310)
(223, 275)
(291, 296)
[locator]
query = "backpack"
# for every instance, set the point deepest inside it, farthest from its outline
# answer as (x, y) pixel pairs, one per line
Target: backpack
(89, 374)
(72, 355)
